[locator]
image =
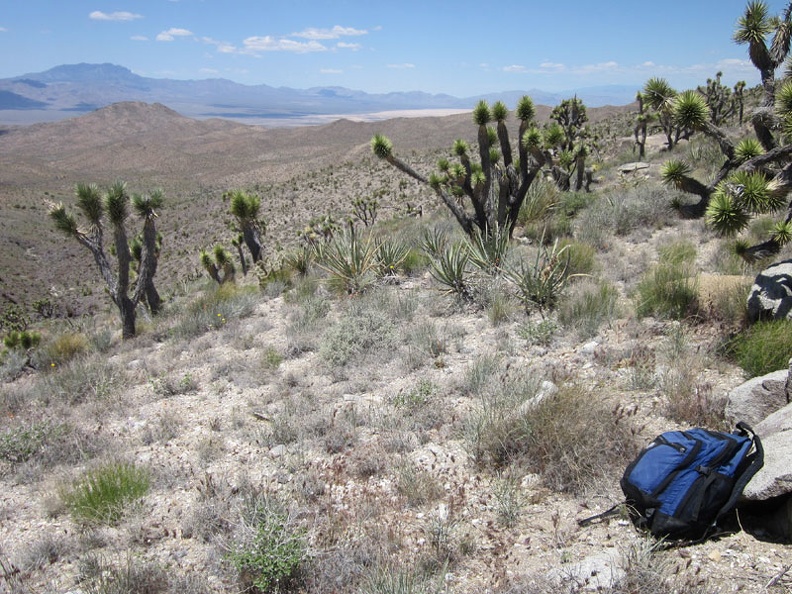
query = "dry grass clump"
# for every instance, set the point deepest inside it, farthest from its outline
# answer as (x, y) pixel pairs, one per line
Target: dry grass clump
(568, 436)
(588, 307)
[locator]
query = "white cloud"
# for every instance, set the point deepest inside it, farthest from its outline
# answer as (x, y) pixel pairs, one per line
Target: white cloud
(98, 15)
(3, 30)
(404, 66)
(172, 34)
(554, 66)
(271, 44)
(222, 46)
(331, 71)
(514, 68)
(334, 33)
(139, 38)
(350, 46)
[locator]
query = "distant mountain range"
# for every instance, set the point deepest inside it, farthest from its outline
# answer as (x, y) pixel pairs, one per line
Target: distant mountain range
(69, 90)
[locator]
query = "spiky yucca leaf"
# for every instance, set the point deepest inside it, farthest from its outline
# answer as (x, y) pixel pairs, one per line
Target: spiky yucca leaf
(449, 268)
(782, 232)
(89, 201)
(460, 147)
(783, 99)
(147, 205)
(532, 138)
(390, 255)
(723, 214)
(443, 165)
(482, 114)
(690, 110)
(492, 135)
(756, 194)
(554, 135)
(748, 148)
(674, 171)
(499, 111)
(435, 181)
(495, 155)
(117, 203)
(658, 93)
(477, 177)
(63, 220)
(540, 284)
(382, 146)
(244, 206)
(525, 109)
(434, 241)
(488, 251)
(754, 25)
(565, 159)
(457, 172)
(350, 262)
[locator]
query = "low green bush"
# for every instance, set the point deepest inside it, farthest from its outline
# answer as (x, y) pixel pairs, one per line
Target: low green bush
(271, 559)
(763, 348)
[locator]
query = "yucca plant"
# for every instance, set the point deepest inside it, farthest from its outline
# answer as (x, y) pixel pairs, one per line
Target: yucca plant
(541, 282)
(390, 255)
(450, 269)
(488, 252)
(350, 260)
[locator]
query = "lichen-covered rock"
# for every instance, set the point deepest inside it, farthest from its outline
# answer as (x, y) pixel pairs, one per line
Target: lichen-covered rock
(771, 293)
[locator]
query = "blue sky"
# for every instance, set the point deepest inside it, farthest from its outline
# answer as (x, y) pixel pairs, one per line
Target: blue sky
(459, 47)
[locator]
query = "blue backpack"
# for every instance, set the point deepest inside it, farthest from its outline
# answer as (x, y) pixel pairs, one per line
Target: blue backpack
(684, 482)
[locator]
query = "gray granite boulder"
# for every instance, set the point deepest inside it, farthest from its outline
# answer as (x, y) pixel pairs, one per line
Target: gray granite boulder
(758, 398)
(775, 478)
(771, 293)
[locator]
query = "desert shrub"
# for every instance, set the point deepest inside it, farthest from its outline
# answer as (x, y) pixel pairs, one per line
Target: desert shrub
(763, 348)
(169, 385)
(688, 400)
(21, 339)
(97, 575)
(19, 444)
(81, 380)
(214, 308)
(362, 329)
(622, 212)
(670, 288)
(588, 307)
(417, 485)
(307, 319)
(63, 348)
(570, 438)
(270, 551)
(581, 257)
(539, 332)
(101, 495)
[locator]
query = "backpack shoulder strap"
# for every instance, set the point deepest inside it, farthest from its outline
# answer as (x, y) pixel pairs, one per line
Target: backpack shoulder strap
(608, 513)
(756, 461)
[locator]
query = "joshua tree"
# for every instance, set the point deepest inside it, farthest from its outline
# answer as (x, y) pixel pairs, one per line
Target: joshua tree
(573, 146)
(146, 207)
(659, 96)
(756, 175)
(245, 208)
(754, 28)
(113, 206)
(484, 196)
(238, 242)
(221, 268)
(641, 125)
(723, 103)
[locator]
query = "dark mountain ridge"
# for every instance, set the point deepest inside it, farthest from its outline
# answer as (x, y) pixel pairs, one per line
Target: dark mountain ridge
(67, 90)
